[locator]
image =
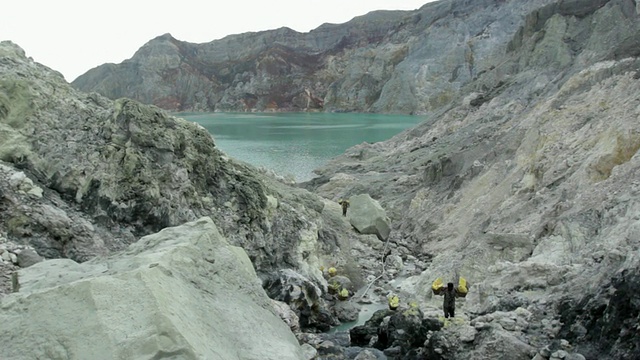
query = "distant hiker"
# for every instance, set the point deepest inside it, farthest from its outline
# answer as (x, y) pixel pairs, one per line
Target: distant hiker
(450, 293)
(345, 205)
(449, 304)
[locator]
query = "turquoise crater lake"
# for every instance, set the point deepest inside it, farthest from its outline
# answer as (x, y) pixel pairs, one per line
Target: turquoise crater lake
(296, 143)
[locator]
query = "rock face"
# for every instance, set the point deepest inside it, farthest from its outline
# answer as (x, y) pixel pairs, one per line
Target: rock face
(302, 296)
(396, 332)
(608, 318)
(523, 178)
(385, 61)
(368, 217)
(182, 293)
(83, 175)
(525, 183)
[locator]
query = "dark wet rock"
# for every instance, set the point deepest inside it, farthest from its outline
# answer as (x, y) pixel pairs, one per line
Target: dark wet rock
(303, 296)
(405, 329)
(363, 334)
(358, 353)
(393, 352)
(346, 311)
(330, 348)
(439, 347)
(606, 323)
(399, 330)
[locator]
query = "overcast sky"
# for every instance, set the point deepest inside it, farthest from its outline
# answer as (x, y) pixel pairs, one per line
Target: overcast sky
(73, 36)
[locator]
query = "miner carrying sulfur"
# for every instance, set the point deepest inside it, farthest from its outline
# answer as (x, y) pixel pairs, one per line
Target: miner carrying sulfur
(450, 294)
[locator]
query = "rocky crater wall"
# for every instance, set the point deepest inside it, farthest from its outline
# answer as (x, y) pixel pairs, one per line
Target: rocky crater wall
(523, 177)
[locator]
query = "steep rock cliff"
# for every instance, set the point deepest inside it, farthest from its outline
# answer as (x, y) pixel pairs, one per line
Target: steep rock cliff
(526, 183)
(385, 61)
(103, 173)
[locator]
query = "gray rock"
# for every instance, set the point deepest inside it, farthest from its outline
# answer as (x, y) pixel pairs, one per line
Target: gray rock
(342, 281)
(184, 290)
(346, 311)
(501, 343)
(545, 352)
(28, 257)
(309, 351)
(575, 356)
(559, 355)
(368, 217)
(287, 315)
(366, 355)
(532, 233)
(467, 333)
(379, 62)
(302, 295)
(507, 323)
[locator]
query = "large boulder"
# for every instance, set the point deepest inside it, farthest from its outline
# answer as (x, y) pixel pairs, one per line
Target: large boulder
(303, 296)
(362, 335)
(181, 293)
(368, 217)
(346, 310)
(493, 342)
(395, 331)
(404, 330)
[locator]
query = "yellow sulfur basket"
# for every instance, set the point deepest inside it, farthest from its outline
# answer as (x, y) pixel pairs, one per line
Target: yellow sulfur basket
(437, 286)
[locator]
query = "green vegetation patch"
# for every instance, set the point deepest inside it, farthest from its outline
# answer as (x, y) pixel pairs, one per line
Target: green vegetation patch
(16, 102)
(18, 225)
(13, 145)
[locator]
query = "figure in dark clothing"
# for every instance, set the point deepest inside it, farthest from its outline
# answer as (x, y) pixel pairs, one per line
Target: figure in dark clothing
(450, 294)
(386, 254)
(345, 206)
(449, 305)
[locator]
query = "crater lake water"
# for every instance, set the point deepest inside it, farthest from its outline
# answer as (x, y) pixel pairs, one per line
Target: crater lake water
(296, 143)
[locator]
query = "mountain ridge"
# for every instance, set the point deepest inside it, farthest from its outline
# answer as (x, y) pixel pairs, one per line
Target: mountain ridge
(367, 64)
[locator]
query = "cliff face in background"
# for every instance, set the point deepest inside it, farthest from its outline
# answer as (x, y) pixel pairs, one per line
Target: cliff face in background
(385, 61)
(524, 177)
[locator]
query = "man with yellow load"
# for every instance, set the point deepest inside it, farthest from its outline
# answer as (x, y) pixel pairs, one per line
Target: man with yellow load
(450, 293)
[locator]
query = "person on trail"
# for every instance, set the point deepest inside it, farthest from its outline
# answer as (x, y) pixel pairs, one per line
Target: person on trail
(450, 294)
(345, 206)
(449, 304)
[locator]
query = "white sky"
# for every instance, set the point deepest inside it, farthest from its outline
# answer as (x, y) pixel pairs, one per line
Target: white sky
(73, 36)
